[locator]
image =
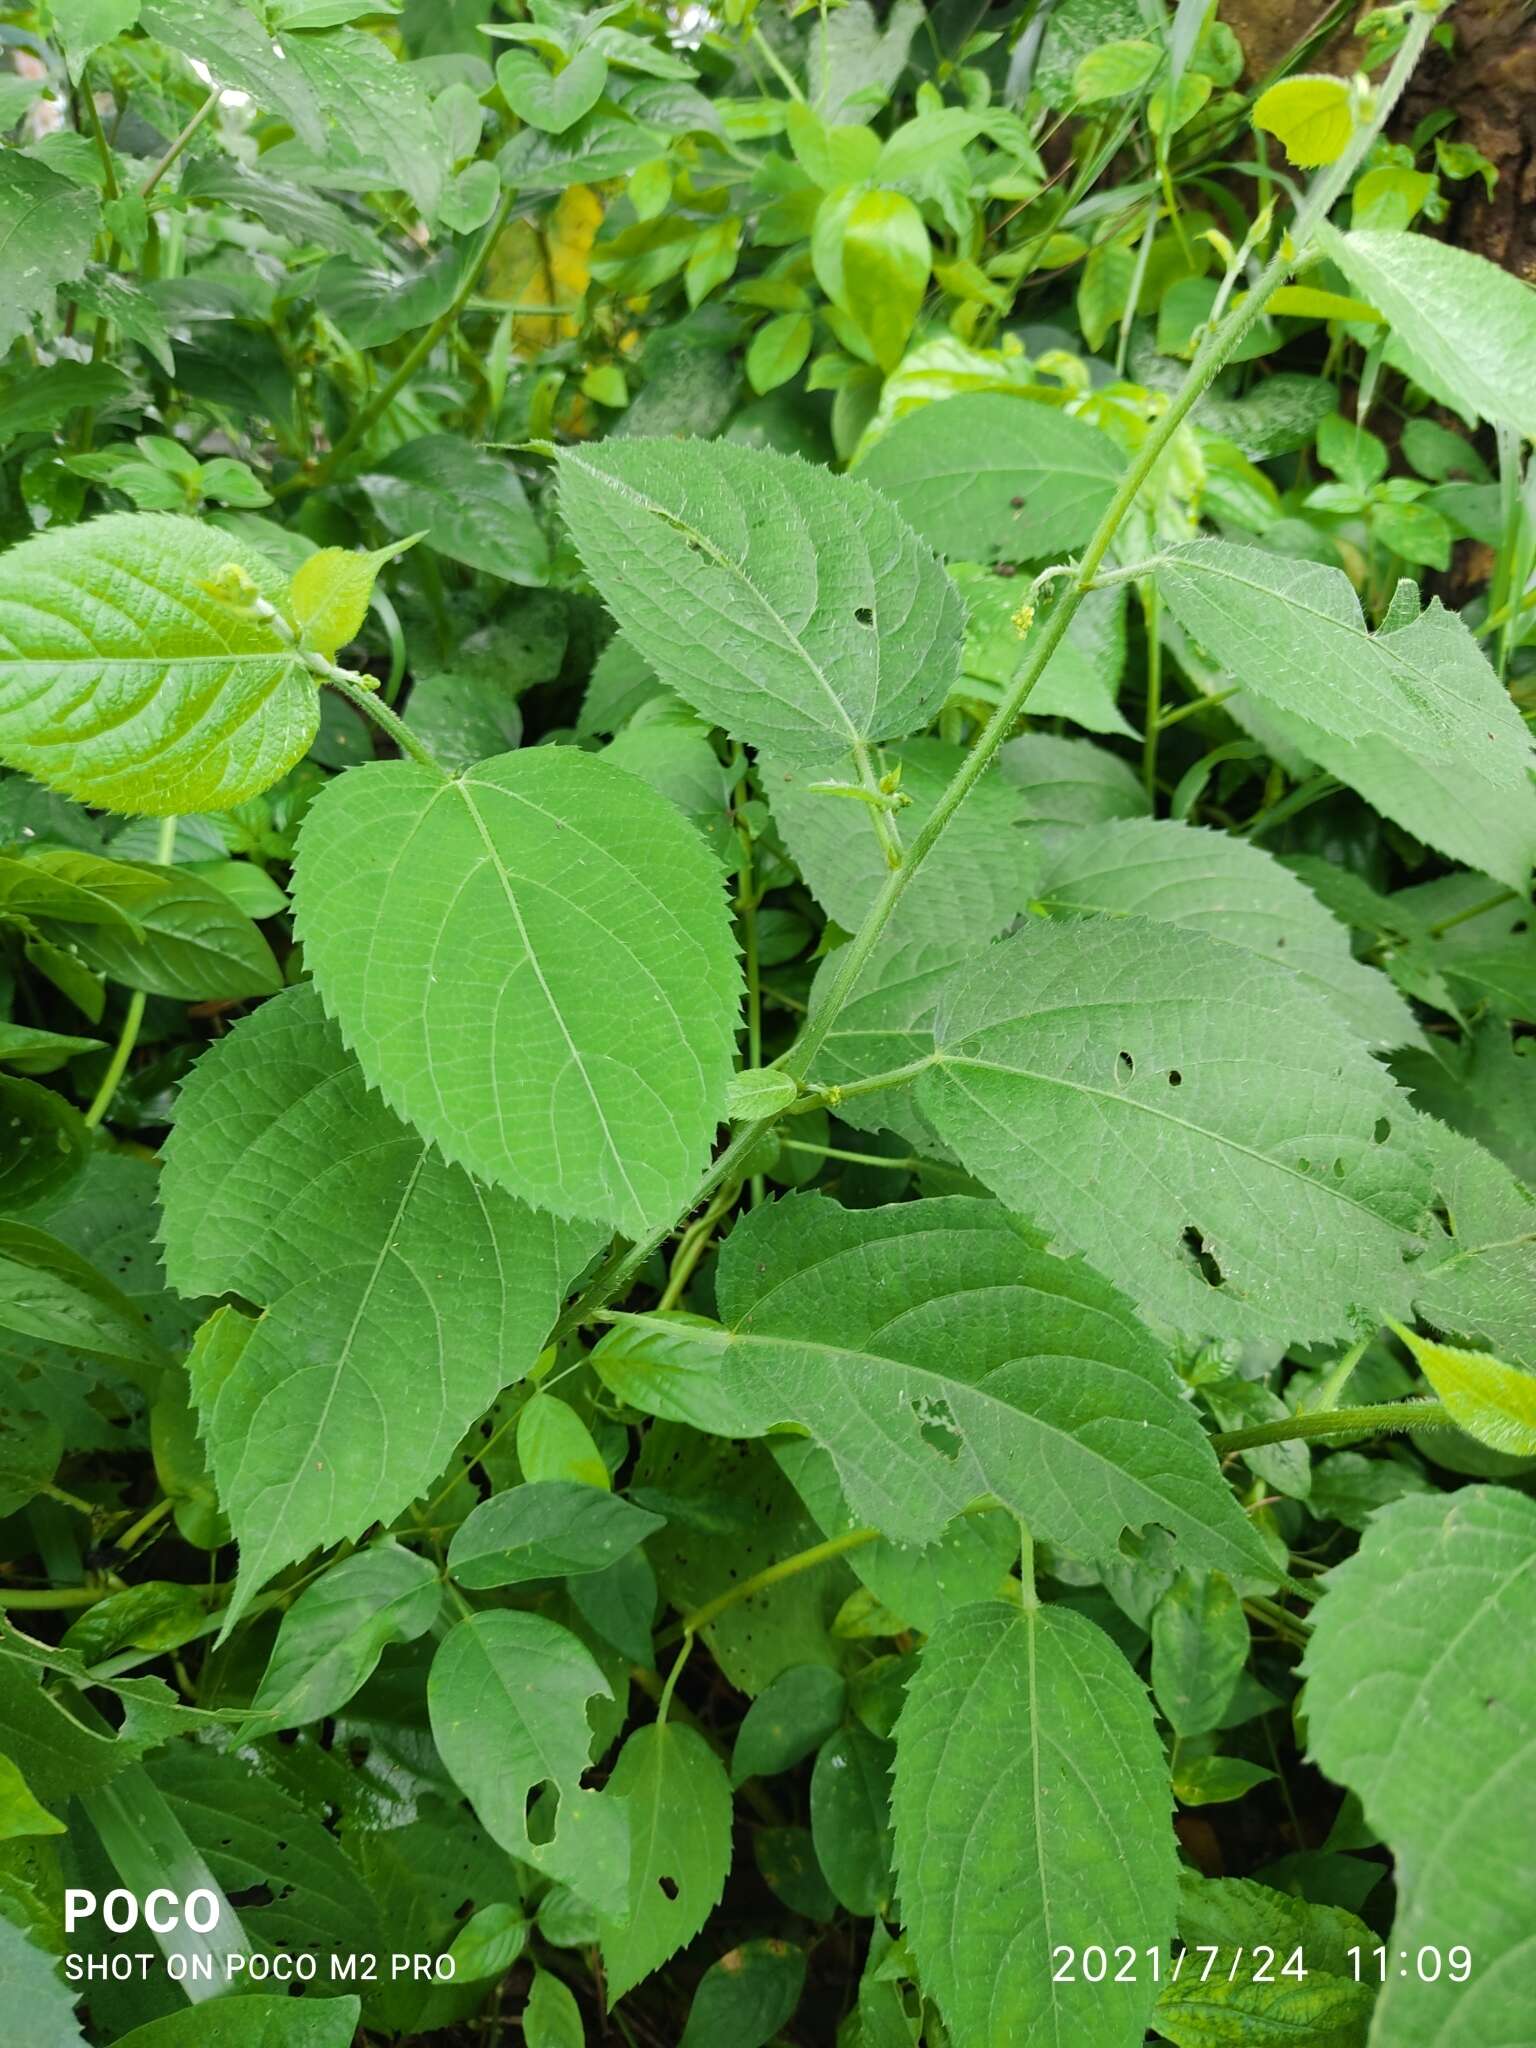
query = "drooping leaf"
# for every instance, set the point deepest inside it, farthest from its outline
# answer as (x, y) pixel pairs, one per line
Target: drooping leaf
(257, 2021)
(46, 228)
(508, 1696)
(794, 609)
(851, 1819)
(1212, 882)
(1468, 321)
(1022, 1730)
(1420, 1697)
(377, 104)
(678, 1801)
(330, 1640)
(546, 1529)
(399, 1294)
(938, 1359)
(239, 51)
(1189, 1117)
(124, 683)
(467, 503)
(1414, 719)
(469, 938)
(987, 478)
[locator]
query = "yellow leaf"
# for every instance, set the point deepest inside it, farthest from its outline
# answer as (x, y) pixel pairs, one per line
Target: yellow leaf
(546, 264)
(1312, 117)
(1494, 1402)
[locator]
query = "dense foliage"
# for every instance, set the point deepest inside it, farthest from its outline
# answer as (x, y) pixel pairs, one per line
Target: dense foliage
(767, 1271)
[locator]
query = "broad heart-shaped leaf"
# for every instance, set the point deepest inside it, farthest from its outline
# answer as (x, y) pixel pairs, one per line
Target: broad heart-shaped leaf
(1421, 1698)
(46, 226)
(1470, 323)
(400, 1296)
(790, 606)
(678, 1800)
(1189, 1117)
(507, 1695)
(332, 1637)
(1211, 882)
(1031, 1809)
(123, 683)
(534, 964)
(939, 1359)
(988, 478)
(1414, 719)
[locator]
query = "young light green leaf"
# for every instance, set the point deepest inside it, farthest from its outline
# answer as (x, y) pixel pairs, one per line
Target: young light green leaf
(328, 597)
(472, 939)
(1114, 71)
(331, 1639)
(1021, 1731)
(1494, 1402)
(759, 1091)
(400, 1295)
(462, 502)
(938, 1359)
(554, 1443)
(1199, 1648)
(165, 700)
(987, 478)
(790, 606)
(20, 1813)
(46, 228)
(507, 1695)
(1415, 719)
(872, 255)
(1471, 323)
(678, 1800)
(1190, 1118)
(1421, 1696)
(546, 1529)
(1312, 116)
(1212, 882)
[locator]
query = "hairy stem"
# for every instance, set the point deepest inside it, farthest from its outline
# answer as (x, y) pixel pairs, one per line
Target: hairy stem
(1382, 1418)
(372, 706)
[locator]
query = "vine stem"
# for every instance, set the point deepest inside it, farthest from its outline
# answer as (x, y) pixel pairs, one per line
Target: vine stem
(384, 398)
(1214, 351)
(1383, 1416)
(133, 1017)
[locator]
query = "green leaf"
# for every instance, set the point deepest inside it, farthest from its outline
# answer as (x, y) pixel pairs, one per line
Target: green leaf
(20, 1813)
(1494, 1402)
(1467, 321)
(1190, 1118)
(399, 1294)
(1216, 1780)
(470, 938)
(30, 1984)
(1415, 719)
(168, 701)
(678, 1801)
(1022, 1731)
(1477, 1281)
(759, 1091)
(507, 1695)
(330, 1640)
(46, 227)
(939, 1359)
(251, 2022)
(778, 351)
(328, 597)
(163, 930)
(1199, 1648)
(1212, 882)
(554, 1443)
(374, 103)
(851, 1819)
(47, 1141)
(82, 26)
(788, 1719)
(464, 502)
(1421, 1696)
(746, 1997)
(1114, 71)
(551, 102)
(551, 2018)
(463, 719)
(872, 256)
(546, 1529)
(49, 1291)
(1311, 115)
(987, 478)
(790, 606)
(1218, 2001)
(239, 51)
